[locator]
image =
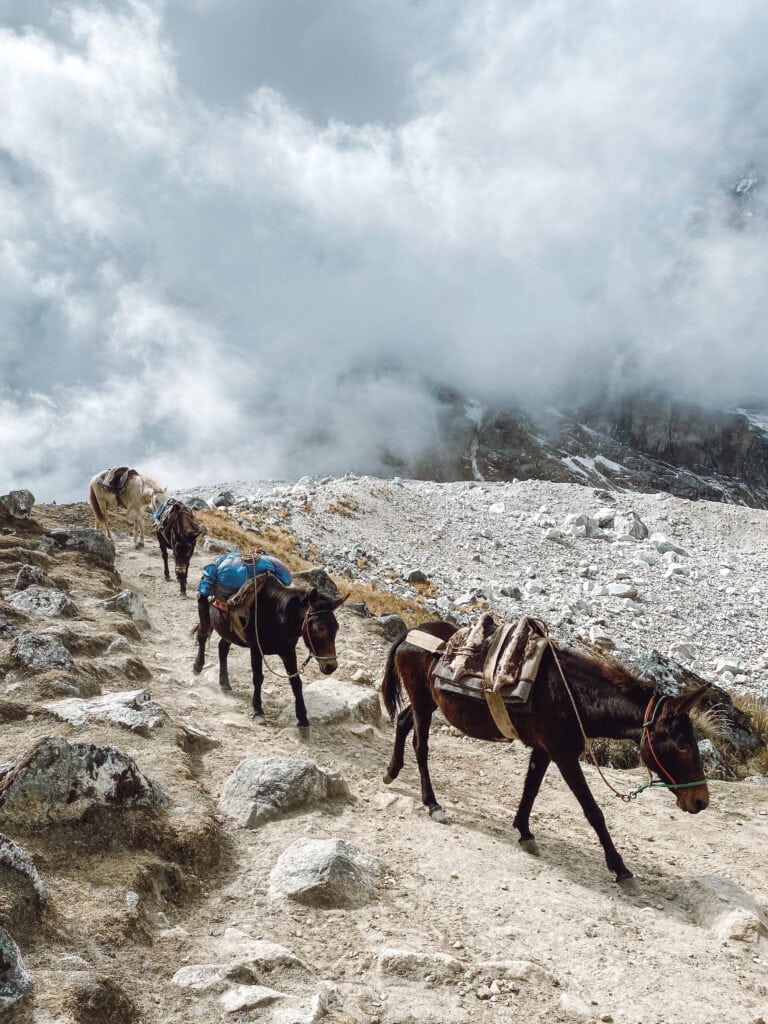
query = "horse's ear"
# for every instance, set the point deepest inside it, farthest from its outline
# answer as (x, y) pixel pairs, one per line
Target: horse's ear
(686, 702)
(339, 603)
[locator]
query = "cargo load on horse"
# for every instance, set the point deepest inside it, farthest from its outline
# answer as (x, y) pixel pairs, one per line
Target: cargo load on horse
(250, 602)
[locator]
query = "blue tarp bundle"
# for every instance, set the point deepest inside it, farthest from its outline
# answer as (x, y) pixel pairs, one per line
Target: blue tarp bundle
(230, 572)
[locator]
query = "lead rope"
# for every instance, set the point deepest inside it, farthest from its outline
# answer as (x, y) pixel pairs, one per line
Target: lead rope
(625, 797)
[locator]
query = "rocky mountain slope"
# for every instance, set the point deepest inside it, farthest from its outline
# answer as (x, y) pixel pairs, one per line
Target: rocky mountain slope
(643, 443)
(154, 865)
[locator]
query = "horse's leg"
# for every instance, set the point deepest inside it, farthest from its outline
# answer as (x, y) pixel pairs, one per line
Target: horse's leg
(203, 632)
(402, 728)
(224, 646)
(537, 767)
(423, 706)
(182, 578)
(164, 553)
(292, 668)
(257, 673)
(571, 771)
(138, 530)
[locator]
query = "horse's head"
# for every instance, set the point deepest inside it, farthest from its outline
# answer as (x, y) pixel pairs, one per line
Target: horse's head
(668, 747)
(319, 628)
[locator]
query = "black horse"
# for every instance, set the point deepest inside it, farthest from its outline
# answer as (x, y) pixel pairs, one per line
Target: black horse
(278, 617)
(177, 530)
(610, 700)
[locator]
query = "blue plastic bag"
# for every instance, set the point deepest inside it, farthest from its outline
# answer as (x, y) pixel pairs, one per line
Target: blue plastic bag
(231, 571)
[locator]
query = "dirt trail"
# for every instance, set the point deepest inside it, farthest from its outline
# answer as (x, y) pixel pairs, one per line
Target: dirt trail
(643, 954)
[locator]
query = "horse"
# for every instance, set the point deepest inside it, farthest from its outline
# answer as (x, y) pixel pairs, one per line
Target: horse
(127, 489)
(177, 529)
(611, 703)
(278, 617)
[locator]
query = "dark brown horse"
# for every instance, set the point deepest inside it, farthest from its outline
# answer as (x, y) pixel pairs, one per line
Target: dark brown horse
(279, 617)
(177, 530)
(611, 703)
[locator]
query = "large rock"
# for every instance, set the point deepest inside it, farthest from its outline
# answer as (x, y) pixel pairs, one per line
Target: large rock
(261, 788)
(324, 873)
(17, 504)
(38, 652)
(391, 627)
(405, 965)
(43, 601)
(334, 700)
(22, 892)
(265, 957)
(131, 709)
(58, 780)
(319, 578)
(129, 603)
(93, 543)
(29, 575)
(729, 911)
(212, 977)
(15, 982)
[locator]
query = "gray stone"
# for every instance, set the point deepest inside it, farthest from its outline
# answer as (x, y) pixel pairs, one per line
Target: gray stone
(663, 543)
(38, 652)
(509, 590)
(248, 997)
(18, 503)
(129, 603)
(58, 780)
(44, 601)
(319, 578)
(262, 788)
(730, 912)
(194, 501)
(93, 543)
(27, 576)
(391, 627)
(212, 977)
(22, 892)
(265, 957)
(406, 965)
(417, 576)
(627, 591)
(712, 761)
(223, 499)
(15, 981)
(629, 524)
(219, 547)
(324, 873)
(335, 700)
(131, 709)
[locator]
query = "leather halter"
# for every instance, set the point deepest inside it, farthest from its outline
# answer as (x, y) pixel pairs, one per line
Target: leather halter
(648, 720)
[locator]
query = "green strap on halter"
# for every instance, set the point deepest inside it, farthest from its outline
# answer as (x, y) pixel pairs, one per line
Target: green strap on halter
(667, 785)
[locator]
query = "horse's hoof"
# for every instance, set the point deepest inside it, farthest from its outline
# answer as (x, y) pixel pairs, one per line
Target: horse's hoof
(226, 687)
(259, 719)
(529, 845)
(388, 779)
(197, 669)
(624, 875)
(303, 731)
(439, 815)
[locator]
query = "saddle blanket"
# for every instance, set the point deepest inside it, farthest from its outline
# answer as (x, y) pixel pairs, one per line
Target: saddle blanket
(116, 479)
(487, 661)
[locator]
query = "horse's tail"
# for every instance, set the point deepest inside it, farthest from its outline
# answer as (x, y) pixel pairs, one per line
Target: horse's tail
(391, 687)
(98, 515)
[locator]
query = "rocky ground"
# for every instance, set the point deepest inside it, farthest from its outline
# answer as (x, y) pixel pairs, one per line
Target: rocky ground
(178, 878)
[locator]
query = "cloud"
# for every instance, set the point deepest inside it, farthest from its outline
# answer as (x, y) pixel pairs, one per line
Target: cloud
(224, 268)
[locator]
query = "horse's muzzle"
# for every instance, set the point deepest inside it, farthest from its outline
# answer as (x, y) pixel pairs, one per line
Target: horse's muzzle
(693, 800)
(327, 667)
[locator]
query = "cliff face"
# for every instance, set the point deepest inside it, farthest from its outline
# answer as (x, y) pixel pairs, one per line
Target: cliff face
(644, 444)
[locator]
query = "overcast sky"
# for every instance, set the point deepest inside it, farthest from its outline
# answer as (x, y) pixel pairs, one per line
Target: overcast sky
(242, 238)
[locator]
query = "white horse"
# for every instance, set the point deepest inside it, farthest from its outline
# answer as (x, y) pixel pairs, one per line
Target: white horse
(126, 489)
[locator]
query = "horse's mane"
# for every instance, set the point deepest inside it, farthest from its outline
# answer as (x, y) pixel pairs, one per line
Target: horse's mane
(590, 664)
(282, 594)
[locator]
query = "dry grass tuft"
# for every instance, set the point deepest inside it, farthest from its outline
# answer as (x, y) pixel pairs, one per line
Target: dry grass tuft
(344, 507)
(757, 710)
